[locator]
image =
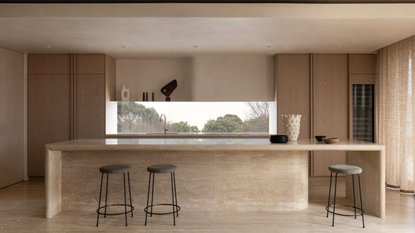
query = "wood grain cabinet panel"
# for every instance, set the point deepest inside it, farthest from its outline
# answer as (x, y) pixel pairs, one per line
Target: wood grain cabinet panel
(49, 64)
(293, 90)
(90, 64)
(363, 63)
(11, 117)
(49, 116)
(89, 106)
(330, 107)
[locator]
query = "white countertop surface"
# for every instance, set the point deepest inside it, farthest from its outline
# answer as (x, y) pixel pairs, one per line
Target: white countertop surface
(209, 144)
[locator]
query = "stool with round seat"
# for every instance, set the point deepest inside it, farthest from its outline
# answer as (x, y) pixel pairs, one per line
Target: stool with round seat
(115, 169)
(348, 170)
(162, 168)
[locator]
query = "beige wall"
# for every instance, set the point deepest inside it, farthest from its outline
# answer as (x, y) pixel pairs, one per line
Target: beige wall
(11, 117)
(205, 78)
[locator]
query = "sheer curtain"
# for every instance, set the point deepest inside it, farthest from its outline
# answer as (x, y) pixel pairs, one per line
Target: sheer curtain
(396, 112)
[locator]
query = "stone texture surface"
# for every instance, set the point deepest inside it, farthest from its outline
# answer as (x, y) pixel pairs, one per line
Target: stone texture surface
(214, 174)
(205, 181)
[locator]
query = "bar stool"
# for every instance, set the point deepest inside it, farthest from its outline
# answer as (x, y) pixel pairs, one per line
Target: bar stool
(349, 170)
(162, 168)
(115, 169)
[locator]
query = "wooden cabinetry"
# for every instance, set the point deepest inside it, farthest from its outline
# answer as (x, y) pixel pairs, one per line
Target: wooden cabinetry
(49, 116)
(362, 75)
(330, 109)
(67, 100)
(293, 90)
(11, 117)
(317, 87)
(90, 106)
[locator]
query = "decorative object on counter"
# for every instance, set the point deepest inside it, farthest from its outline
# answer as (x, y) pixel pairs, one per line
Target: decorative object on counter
(291, 125)
(144, 96)
(125, 94)
(115, 169)
(330, 140)
(319, 138)
(165, 122)
(152, 96)
(168, 89)
(162, 168)
(278, 138)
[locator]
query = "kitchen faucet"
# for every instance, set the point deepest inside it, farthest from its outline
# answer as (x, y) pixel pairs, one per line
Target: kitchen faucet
(165, 129)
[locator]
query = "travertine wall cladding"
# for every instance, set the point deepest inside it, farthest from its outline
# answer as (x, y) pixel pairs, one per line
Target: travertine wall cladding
(206, 180)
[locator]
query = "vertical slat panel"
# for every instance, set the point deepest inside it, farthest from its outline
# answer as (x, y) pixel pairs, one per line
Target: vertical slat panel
(49, 116)
(293, 90)
(11, 117)
(90, 106)
(330, 107)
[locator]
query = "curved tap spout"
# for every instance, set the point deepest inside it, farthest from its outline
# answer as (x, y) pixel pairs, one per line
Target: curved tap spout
(165, 119)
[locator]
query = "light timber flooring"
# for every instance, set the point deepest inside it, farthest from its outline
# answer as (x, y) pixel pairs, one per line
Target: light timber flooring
(22, 208)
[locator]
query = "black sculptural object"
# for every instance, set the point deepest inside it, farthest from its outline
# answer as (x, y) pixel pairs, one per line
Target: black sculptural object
(168, 89)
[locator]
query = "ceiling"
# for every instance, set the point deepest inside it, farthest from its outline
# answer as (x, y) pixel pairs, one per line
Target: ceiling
(138, 31)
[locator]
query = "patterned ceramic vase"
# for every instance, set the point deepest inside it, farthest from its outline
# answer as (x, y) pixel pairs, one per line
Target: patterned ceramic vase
(291, 126)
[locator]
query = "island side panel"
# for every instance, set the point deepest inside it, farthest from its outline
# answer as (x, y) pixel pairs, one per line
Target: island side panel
(261, 181)
(372, 180)
(53, 182)
(225, 180)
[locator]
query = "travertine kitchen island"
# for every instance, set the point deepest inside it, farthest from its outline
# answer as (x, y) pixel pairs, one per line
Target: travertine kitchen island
(214, 174)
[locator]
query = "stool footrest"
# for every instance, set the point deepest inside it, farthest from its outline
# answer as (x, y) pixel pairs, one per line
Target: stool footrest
(131, 209)
(177, 209)
(348, 215)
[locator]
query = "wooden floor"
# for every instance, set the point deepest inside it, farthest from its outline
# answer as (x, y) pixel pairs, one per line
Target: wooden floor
(22, 209)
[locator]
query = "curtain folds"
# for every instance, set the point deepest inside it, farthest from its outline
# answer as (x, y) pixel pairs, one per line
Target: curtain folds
(396, 112)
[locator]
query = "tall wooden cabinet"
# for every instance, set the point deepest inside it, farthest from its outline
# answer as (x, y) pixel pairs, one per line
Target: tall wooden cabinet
(317, 87)
(67, 95)
(11, 117)
(293, 74)
(330, 110)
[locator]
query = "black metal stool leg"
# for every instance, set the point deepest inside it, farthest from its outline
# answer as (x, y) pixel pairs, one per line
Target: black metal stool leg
(152, 196)
(129, 188)
(125, 200)
(334, 206)
(106, 195)
(175, 193)
(99, 202)
(328, 204)
(172, 198)
(354, 198)
(361, 202)
(148, 196)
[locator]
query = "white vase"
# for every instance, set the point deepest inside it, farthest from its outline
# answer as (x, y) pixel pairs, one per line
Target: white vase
(291, 126)
(125, 94)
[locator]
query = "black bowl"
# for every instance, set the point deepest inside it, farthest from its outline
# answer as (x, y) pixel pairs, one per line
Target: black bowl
(278, 138)
(320, 138)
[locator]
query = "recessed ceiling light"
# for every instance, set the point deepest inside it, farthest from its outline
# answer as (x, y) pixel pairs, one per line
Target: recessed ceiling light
(48, 46)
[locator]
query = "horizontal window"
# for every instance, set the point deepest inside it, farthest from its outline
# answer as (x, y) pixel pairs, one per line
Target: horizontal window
(193, 117)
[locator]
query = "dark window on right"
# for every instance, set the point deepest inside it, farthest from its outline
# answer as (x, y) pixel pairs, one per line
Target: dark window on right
(363, 112)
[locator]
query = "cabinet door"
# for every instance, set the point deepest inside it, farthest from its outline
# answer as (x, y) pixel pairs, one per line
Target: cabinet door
(49, 116)
(11, 117)
(90, 64)
(330, 107)
(89, 106)
(41, 64)
(293, 90)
